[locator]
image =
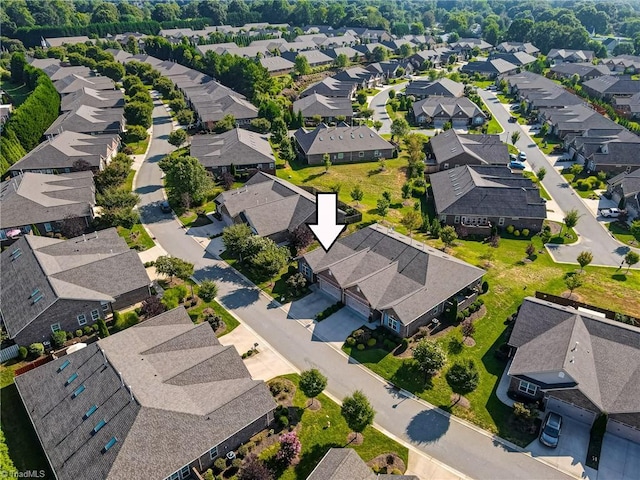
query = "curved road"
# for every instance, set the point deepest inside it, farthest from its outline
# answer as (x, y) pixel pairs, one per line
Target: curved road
(467, 449)
(593, 236)
(378, 104)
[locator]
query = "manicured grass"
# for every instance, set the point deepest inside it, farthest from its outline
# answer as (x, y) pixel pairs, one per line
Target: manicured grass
(190, 218)
(621, 232)
(367, 175)
(543, 192)
(510, 280)
(503, 98)
(316, 439)
(136, 237)
(512, 149)
(139, 147)
(546, 144)
(22, 441)
(494, 127)
(128, 183)
(229, 320)
(483, 83)
(573, 180)
(17, 92)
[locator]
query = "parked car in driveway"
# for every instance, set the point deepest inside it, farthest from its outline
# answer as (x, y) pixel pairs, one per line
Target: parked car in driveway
(516, 165)
(522, 156)
(515, 108)
(610, 212)
(550, 430)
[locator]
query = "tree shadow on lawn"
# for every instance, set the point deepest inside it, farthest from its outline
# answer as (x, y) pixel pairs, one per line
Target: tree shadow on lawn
(313, 176)
(428, 426)
(619, 277)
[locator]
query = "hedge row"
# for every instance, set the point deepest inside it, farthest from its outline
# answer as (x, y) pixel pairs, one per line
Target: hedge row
(27, 124)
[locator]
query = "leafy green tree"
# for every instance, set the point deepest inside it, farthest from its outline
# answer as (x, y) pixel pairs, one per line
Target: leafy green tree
(58, 338)
(269, 260)
(448, 235)
(186, 175)
(173, 267)
(576, 169)
(400, 128)
(234, 238)
(361, 98)
(312, 383)
(278, 130)
(227, 123)
(542, 172)
(261, 125)
(177, 137)
(356, 194)
(117, 198)
(286, 150)
(430, 356)
(301, 65)
(185, 117)
(357, 412)
(631, 258)
(103, 331)
(105, 13)
(377, 124)
(571, 219)
(635, 229)
(572, 282)
(435, 228)
(463, 377)
(326, 161)
(208, 290)
(164, 12)
(544, 129)
(379, 54)
(584, 259)
(341, 61)
(383, 207)
(138, 113)
(515, 136)
(411, 221)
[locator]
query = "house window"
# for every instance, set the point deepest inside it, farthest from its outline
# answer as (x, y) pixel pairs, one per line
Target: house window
(443, 217)
(82, 319)
(392, 323)
(272, 166)
(95, 315)
(527, 387)
(340, 156)
(376, 153)
(55, 327)
(3, 235)
(501, 221)
(105, 306)
(456, 219)
(361, 154)
(213, 453)
(185, 472)
(174, 476)
(47, 227)
(306, 271)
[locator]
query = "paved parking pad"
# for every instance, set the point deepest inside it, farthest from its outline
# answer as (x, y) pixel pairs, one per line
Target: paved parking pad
(619, 459)
(570, 454)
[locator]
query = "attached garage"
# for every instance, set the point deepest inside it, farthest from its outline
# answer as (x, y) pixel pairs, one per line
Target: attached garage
(330, 289)
(570, 410)
(623, 430)
(460, 122)
(357, 306)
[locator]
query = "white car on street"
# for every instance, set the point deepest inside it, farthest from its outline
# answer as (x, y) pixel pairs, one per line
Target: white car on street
(610, 212)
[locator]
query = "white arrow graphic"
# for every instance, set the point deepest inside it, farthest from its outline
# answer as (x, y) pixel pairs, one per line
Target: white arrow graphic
(326, 229)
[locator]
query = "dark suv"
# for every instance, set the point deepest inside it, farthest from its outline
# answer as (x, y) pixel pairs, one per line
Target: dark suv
(165, 207)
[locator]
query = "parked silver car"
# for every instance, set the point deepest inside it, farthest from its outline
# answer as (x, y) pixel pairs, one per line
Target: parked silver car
(550, 430)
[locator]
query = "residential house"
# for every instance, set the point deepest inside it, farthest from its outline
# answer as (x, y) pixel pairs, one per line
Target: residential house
(50, 284)
(297, 46)
(73, 83)
(395, 44)
(465, 46)
(59, 154)
(616, 156)
(438, 57)
(89, 120)
(391, 68)
(41, 202)
(272, 207)
(345, 463)
(585, 71)
(339, 42)
(539, 92)
(58, 72)
(627, 106)
(316, 58)
(474, 196)
(367, 49)
(390, 279)
(513, 47)
(92, 98)
(343, 144)
(328, 108)
(436, 111)
(443, 87)
(519, 59)
(60, 41)
(450, 149)
(277, 65)
(606, 87)
(331, 87)
(573, 120)
(623, 64)
(421, 41)
(42, 63)
(561, 55)
(361, 77)
(491, 68)
(159, 400)
(350, 52)
(626, 185)
(237, 150)
(571, 359)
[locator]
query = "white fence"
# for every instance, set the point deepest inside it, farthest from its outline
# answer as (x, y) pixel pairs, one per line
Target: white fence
(9, 353)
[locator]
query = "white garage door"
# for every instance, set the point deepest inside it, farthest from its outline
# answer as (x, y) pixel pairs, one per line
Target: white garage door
(330, 289)
(358, 307)
(623, 430)
(569, 410)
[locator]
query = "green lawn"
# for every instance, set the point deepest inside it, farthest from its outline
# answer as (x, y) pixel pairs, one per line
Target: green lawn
(229, 320)
(128, 183)
(546, 144)
(494, 126)
(139, 147)
(190, 218)
(621, 232)
(510, 280)
(17, 92)
(503, 98)
(316, 439)
(136, 237)
(483, 83)
(573, 180)
(22, 441)
(543, 192)
(397, 114)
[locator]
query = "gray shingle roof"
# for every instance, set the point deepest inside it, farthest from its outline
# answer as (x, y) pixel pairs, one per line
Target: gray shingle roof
(57, 72)
(587, 348)
(185, 393)
(86, 119)
(99, 266)
(450, 107)
(496, 66)
(92, 98)
(580, 69)
(316, 104)
(73, 83)
(340, 139)
(64, 149)
(516, 58)
(510, 47)
(442, 87)
(485, 148)
(613, 85)
(276, 64)
(314, 57)
(331, 87)
(394, 272)
(34, 198)
(341, 464)
(237, 147)
(486, 190)
(566, 54)
(269, 204)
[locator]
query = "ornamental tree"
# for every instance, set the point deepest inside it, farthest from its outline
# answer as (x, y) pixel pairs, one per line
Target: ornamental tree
(357, 412)
(312, 383)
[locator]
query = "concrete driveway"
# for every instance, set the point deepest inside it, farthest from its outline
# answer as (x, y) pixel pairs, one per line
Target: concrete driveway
(309, 306)
(619, 459)
(571, 452)
(338, 326)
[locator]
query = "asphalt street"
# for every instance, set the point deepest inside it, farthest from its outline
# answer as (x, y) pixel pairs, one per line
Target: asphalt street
(592, 234)
(450, 441)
